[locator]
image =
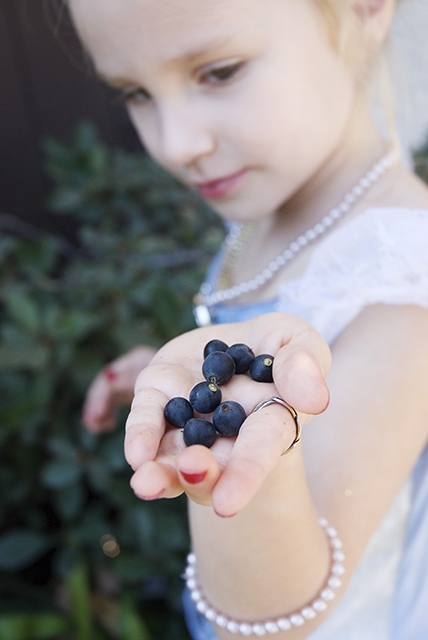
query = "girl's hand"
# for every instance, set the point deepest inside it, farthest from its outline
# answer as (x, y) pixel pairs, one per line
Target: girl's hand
(112, 387)
(228, 475)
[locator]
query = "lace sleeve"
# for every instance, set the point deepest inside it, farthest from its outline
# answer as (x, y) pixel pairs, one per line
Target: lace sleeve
(380, 256)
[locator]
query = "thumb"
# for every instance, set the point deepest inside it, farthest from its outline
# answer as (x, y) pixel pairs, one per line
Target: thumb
(300, 373)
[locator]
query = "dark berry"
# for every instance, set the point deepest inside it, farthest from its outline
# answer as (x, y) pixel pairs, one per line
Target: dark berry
(178, 411)
(218, 367)
(242, 356)
(205, 397)
(214, 345)
(261, 368)
(228, 418)
(199, 431)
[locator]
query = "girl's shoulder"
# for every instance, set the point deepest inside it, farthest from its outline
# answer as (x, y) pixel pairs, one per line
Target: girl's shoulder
(379, 256)
(393, 222)
(408, 191)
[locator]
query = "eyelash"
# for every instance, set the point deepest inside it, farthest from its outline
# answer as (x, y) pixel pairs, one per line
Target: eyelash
(131, 94)
(220, 75)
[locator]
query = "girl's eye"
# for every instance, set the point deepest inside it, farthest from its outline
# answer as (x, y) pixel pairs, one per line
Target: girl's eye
(133, 95)
(222, 74)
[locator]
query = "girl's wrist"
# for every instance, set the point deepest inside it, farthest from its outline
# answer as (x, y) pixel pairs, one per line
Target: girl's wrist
(274, 624)
(288, 551)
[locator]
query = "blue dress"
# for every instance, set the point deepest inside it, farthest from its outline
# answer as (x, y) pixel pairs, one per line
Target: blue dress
(379, 256)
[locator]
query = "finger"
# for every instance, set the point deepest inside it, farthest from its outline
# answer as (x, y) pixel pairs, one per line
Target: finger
(194, 470)
(125, 371)
(146, 424)
(156, 479)
(300, 373)
(145, 427)
(170, 378)
(198, 472)
(98, 411)
(112, 387)
(302, 359)
(264, 436)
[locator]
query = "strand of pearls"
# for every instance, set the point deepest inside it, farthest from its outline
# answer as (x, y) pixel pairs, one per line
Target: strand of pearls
(209, 298)
(283, 623)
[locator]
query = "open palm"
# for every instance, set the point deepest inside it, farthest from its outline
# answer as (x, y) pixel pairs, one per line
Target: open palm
(229, 474)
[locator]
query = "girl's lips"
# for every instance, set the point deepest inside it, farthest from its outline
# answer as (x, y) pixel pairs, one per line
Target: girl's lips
(219, 188)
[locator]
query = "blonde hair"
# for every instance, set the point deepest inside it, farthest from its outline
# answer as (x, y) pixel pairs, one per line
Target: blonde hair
(345, 32)
(338, 22)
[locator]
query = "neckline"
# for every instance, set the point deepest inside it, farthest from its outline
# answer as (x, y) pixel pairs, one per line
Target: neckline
(365, 213)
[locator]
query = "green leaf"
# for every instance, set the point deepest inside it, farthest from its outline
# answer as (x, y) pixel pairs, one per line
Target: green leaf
(38, 257)
(69, 502)
(93, 526)
(132, 568)
(112, 453)
(23, 358)
(85, 136)
(72, 325)
(80, 598)
(63, 448)
(132, 625)
(145, 527)
(61, 473)
(33, 626)
(98, 159)
(24, 310)
(7, 245)
(65, 560)
(20, 548)
(165, 309)
(65, 200)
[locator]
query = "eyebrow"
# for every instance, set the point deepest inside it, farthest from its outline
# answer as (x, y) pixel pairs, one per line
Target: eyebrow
(206, 49)
(117, 82)
(188, 57)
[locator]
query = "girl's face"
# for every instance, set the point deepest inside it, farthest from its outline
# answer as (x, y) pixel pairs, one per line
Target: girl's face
(243, 99)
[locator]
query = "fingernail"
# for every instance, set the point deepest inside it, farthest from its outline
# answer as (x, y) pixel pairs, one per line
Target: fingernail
(149, 498)
(328, 400)
(327, 405)
(224, 517)
(194, 478)
(110, 374)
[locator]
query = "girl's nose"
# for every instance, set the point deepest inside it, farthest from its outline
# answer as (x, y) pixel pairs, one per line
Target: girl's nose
(183, 137)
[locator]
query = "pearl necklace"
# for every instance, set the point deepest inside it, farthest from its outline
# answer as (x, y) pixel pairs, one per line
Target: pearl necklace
(234, 241)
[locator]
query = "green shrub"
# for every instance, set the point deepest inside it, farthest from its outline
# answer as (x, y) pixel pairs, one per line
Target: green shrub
(80, 556)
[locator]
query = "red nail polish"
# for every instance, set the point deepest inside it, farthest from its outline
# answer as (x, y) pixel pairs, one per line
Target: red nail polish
(194, 478)
(110, 374)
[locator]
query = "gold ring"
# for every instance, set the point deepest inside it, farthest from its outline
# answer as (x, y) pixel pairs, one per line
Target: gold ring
(278, 400)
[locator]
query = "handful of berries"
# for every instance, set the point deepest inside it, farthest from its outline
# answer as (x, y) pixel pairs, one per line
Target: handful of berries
(221, 363)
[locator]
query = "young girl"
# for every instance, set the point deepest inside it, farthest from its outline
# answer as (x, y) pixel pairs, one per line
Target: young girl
(263, 106)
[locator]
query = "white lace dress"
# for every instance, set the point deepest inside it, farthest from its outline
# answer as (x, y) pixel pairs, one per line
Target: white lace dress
(380, 256)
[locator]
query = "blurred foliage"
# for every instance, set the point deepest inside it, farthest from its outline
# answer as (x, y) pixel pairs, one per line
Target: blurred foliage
(80, 556)
(421, 162)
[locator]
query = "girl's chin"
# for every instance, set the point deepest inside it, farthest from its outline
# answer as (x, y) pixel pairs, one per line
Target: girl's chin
(241, 211)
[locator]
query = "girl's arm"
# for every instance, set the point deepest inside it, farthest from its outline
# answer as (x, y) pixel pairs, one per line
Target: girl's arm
(272, 556)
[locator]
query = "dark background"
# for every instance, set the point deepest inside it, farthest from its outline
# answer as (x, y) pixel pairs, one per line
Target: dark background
(46, 87)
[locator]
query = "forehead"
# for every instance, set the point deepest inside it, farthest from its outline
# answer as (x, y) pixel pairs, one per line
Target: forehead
(107, 27)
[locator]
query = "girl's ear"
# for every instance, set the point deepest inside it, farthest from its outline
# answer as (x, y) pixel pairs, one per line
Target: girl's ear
(376, 17)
